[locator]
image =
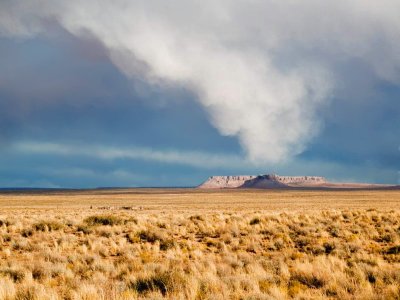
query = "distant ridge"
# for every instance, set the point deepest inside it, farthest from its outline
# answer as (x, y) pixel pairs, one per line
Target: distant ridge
(273, 181)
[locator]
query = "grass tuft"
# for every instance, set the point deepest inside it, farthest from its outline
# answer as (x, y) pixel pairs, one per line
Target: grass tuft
(109, 220)
(47, 226)
(255, 220)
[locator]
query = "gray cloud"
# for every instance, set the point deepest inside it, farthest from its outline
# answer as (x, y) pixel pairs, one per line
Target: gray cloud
(261, 69)
(200, 160)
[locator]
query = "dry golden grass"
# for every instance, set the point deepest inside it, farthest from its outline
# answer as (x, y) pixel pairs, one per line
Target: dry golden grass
(186, 244)
(205, 200)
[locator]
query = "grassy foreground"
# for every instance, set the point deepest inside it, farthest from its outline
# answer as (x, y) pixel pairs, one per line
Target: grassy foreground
(157, 245)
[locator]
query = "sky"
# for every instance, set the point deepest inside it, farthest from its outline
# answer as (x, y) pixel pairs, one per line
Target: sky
(167, 93)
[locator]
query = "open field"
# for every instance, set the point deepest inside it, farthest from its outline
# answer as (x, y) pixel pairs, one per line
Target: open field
(191, 244)
(155, 200)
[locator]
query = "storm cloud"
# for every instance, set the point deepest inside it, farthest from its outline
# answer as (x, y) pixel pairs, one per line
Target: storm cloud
(273, 74)
(260, 68)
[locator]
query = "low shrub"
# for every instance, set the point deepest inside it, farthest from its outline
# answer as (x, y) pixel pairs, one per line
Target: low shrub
(84, 228)
(47, 226)
(152, 237)
(15, 274)
(393, 250)
(164, 282)
(255, 221)
(109, 220)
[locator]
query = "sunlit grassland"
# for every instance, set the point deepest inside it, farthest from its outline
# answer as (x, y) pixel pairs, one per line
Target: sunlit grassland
(189, 244)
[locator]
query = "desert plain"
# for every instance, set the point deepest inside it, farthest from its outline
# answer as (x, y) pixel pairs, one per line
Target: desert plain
(200, 244)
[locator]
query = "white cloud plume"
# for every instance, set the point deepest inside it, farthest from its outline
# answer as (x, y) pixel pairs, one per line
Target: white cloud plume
(260, 68)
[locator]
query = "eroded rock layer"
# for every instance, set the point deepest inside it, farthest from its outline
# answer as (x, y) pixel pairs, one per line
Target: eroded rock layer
(276, 181)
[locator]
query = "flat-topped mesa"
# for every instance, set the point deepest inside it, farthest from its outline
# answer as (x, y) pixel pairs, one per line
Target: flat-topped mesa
(226, 181)
(260, 181)
(273, 181)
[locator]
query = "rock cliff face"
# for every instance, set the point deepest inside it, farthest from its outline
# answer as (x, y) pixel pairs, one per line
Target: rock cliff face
(261, 181)
(276, 181)
(273, 181)
(221, 182)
